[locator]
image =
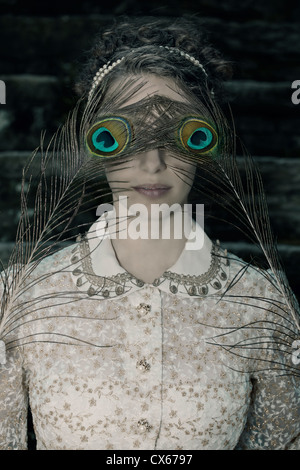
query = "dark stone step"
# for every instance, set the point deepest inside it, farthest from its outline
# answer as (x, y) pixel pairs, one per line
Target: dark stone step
(288, 10)
(37, 44)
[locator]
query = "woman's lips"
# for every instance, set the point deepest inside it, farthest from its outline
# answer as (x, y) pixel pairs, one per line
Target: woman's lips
(152, 190)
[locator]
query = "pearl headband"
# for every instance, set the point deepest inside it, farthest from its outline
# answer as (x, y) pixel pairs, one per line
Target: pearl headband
(187, 56)
(108, 67)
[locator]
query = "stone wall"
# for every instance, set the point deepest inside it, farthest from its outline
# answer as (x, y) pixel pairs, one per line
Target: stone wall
(41, 46)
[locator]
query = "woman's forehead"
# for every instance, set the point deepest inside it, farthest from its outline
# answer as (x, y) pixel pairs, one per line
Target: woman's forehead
(147, 86)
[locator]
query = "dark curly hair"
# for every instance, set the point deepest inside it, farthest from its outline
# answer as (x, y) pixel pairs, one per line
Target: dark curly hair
(138, 41)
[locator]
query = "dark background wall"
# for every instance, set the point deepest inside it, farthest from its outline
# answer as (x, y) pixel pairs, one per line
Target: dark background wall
(42, 44)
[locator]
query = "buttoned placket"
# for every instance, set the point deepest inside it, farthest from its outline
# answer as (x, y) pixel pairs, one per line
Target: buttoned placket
(145, 334)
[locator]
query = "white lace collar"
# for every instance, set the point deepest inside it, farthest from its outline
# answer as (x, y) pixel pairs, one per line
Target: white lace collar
(97, 272)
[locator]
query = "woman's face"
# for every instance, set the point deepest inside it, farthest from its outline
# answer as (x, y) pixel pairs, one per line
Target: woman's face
(153, 176)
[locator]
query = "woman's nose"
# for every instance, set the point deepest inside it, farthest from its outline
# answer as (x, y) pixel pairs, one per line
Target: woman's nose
(152, 161)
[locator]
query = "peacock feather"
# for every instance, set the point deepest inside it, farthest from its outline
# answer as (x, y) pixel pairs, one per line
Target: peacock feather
(66, 179)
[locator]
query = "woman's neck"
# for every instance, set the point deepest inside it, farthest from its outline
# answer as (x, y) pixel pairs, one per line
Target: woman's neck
(146, 249)
(147, 259)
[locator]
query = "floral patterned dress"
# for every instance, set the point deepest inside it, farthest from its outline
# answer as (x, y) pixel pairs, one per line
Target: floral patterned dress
(110, 362)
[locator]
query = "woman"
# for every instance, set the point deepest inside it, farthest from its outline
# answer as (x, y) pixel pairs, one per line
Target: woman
(144, 334)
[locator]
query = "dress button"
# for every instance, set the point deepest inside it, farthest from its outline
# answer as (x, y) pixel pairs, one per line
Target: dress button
(143, 365)
(144, 425)
(143, 309)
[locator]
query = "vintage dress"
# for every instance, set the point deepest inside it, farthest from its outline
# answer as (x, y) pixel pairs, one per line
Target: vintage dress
(109, 362)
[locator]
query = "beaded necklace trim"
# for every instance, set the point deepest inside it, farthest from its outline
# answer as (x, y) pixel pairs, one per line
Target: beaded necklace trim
(202, 285)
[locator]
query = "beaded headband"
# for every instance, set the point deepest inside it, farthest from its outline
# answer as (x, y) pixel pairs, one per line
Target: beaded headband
(105, 69)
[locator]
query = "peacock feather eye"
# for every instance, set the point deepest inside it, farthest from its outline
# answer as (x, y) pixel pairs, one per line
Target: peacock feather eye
(196, 135)
(109, 137)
